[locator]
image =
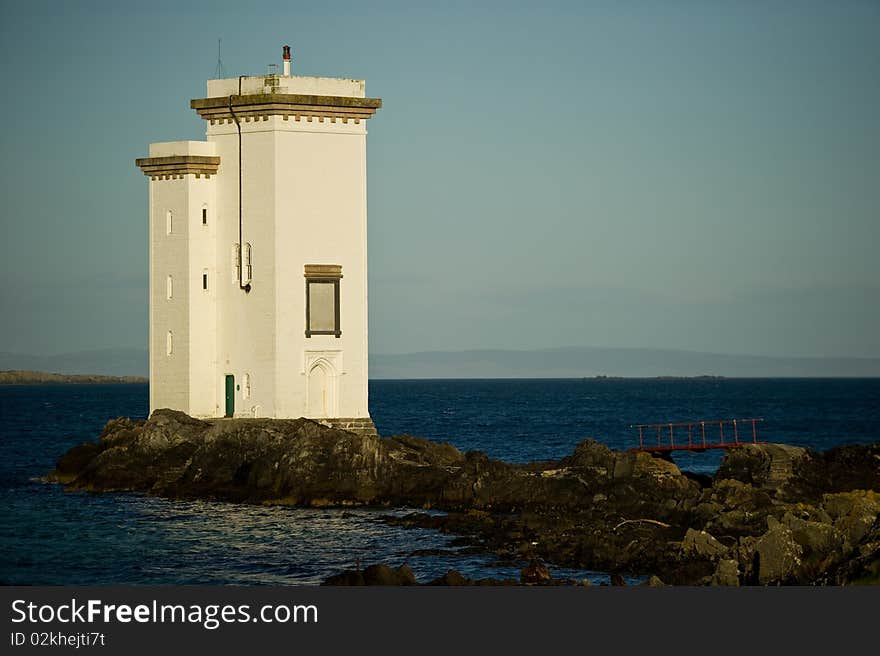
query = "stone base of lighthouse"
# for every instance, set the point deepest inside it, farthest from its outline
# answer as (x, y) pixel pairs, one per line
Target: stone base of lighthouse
(358, 425)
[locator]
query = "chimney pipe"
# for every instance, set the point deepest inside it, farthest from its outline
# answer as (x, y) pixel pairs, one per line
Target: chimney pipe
(286, 58)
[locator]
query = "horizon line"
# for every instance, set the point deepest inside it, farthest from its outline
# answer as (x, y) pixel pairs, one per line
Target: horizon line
(502, 350)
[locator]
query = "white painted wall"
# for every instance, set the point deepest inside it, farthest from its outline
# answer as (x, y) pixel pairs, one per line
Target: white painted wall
(184, 379)
(317, 86)
(245, 321)
(303, 202)
(202, 303)
(321, 205)
(169, 255)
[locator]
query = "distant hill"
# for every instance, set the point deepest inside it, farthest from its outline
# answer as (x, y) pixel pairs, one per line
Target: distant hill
(570, 362)
(42, 377)
(105, 362)
(578, 362)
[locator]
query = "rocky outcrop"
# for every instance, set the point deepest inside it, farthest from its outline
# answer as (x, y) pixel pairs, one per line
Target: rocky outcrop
(701, 544)
(535, 573)
(762, 465)
(296, 462)
(772, 514)
(729, 532)
(301, 462)
(375, 575)
(726, 573)
(796, 474)
(777, 556)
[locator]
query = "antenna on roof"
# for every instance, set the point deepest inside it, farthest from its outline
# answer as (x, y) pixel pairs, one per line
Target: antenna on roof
(221, 71)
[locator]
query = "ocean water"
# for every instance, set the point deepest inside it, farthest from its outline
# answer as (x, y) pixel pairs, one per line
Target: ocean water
(52, 537)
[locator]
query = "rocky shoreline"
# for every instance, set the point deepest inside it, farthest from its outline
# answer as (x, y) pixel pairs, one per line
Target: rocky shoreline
(772, 514)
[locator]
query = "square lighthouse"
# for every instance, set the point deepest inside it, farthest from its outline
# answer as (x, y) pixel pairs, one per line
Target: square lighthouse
(258, 253)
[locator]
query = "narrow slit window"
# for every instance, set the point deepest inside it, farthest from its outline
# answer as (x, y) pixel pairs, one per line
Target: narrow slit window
(169, 287)
(248, 264)
(204, 216)
(169, 222)
(322, 299)
(246, 387)
(236, 263)
(205, 280)
(169, 343)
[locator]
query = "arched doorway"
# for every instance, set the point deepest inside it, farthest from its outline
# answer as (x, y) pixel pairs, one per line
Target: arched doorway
(320, 401)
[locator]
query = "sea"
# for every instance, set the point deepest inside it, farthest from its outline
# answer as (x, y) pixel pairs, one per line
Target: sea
(49, 536)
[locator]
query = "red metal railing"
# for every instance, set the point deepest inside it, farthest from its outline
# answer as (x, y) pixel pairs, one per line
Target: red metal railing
(697, 439)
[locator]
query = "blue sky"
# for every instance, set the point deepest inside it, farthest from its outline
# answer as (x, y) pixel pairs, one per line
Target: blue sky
(695, 175)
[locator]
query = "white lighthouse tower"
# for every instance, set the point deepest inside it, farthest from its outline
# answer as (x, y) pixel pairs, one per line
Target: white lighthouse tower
(258, 253)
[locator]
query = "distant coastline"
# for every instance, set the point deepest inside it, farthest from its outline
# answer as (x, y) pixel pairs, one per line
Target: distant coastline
(18, 377)
(699, 377)
(25, 377)
(594, 362)
(563, 362)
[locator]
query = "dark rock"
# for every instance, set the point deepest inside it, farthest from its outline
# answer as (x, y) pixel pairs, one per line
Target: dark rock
(795, 474)
(773, 514)
(301, 462)
(733, 508)
(348, 577)
(815, 537)
(535, 573)
(844, 468)
(703, 480)
(762, 465)
(374, 575)
(385, 575)
(654, 582)
(853, 513)
(726, 573)
(863, 568)
(617, 580)
(778, 555)
(593, 458)
(748, 560)
(74, 461)
(451, 578)
(702, 545)
(405, 575)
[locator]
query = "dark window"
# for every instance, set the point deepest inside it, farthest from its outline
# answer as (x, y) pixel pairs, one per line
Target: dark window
(322, 299)
(204, 216)
(204, 281)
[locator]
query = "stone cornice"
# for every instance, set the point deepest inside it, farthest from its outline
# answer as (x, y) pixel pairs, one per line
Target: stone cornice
(176, 166)
(323, 271)
(262, 105)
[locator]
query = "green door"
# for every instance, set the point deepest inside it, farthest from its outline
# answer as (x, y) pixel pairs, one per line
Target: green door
(230, 395)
